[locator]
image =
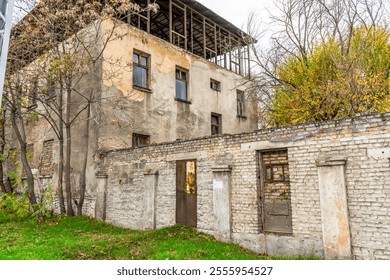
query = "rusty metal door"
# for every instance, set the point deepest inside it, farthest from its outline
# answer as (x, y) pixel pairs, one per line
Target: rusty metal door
(275, 193)
(186, 193)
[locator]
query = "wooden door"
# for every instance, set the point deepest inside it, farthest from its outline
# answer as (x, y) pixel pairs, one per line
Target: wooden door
(186, 193)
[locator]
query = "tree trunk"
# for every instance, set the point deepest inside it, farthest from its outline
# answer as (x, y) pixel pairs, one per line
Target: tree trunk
(60, 189)
(20, 134)
(85, 161)
(68, 188)
(2, 184)
(4, 187)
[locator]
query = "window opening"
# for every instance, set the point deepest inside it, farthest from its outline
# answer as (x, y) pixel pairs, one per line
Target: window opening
(181, 84)
(216, 124)
(141, 70)
(240, 104)
(140, 140)
(215, 85)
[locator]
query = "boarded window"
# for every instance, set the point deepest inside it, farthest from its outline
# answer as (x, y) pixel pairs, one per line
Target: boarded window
(275, 192)
(45, 167)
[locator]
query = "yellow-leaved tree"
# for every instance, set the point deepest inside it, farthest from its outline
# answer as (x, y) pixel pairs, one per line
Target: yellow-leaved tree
(336, 80)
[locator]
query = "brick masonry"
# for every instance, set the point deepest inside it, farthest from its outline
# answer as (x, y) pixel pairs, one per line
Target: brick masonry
(364, 142)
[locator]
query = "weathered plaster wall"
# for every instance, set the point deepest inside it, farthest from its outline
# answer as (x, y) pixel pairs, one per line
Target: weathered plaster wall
(363, 142)
(156, 112)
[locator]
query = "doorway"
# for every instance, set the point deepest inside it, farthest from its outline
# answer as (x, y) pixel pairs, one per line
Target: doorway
(275, 192)
(186, 193)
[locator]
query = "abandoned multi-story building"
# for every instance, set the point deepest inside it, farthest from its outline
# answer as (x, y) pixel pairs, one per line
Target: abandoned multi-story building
(317, 189)
(180, 73)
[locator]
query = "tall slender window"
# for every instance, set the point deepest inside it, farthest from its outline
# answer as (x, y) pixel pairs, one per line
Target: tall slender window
(181, 84)
(216, 124)
(240, 104)
(141, 70)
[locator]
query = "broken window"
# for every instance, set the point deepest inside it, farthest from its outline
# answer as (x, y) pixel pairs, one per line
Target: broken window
(216, 124)
(215, 85)
(140, 140)
(240, 104)
(140, 70)
(181, 84)
(275, 193)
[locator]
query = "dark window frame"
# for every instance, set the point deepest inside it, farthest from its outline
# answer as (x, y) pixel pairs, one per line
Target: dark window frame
(137, 136)
(240, 104)
(217, 126)
(179, 71)
(215, 85)
(137, 64)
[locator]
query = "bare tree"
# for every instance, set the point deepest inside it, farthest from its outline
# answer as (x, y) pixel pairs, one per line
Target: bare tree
(301, 27)
(4, 186)
(73, 40)
(15, 95)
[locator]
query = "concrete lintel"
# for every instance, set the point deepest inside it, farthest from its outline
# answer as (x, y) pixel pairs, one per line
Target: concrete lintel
(331, 161)
(101, 175)
(184, 156)
(151, 172)
(45, 177)
(379, 153)
(221, 168)
(267, 145)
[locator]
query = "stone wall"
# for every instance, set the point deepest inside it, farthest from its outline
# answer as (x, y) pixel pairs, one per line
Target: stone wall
(355, 151)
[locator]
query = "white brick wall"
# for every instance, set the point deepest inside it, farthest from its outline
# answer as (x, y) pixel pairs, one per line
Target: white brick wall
(367, 180)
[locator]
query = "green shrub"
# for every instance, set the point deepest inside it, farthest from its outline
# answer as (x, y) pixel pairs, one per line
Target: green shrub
(44, 207)
(15, 206)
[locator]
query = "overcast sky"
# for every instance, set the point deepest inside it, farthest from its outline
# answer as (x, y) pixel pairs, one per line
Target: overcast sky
(237, 11)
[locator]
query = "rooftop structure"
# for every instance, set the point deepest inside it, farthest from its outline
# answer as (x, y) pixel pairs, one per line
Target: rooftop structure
(193, 27)
(190, 26)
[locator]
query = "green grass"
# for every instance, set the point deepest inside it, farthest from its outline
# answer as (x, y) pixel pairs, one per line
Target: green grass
(82, 238)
